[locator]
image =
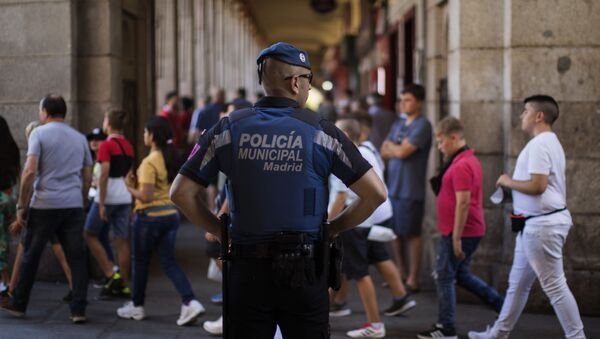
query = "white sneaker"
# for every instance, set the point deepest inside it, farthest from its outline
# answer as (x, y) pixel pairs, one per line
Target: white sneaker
(368, 331)
(214, 327)
(190, 313)
(129, 311)
(488, 334)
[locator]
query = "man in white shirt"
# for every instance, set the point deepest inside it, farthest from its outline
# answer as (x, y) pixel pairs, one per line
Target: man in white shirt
(539, 195)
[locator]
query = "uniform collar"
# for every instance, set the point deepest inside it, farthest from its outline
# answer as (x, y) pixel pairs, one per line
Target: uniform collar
(271, 101)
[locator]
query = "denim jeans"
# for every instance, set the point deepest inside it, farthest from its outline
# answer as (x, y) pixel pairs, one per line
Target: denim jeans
(148, 233)
(538, 255)
(449, 270)
(67, 224)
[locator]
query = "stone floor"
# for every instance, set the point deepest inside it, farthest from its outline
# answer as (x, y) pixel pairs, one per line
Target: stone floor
(47, 317)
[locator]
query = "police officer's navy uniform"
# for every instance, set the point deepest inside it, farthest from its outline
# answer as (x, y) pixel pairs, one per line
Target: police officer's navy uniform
(278, 158)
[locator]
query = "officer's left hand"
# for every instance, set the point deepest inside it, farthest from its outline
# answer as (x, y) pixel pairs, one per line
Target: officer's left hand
(457, 247)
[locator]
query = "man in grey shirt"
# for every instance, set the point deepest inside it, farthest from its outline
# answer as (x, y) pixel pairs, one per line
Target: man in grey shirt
(54, 184)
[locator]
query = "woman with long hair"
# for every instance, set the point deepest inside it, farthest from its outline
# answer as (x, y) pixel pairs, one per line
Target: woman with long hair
(10, 158)
(156, 223)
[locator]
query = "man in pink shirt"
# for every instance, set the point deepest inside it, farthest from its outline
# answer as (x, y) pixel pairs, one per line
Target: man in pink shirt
(461, 224)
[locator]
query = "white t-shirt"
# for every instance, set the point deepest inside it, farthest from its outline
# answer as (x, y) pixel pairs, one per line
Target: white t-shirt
(384, 211)
(543, 155)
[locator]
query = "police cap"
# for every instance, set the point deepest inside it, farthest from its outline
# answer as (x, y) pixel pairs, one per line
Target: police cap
(287, 53)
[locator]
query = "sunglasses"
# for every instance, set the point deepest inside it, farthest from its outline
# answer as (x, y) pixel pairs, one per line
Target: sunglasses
(308, 76)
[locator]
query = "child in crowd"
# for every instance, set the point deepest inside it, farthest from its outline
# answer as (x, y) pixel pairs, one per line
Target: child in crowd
(359, 252)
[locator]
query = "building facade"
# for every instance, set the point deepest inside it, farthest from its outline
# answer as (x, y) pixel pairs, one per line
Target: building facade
(478, 60)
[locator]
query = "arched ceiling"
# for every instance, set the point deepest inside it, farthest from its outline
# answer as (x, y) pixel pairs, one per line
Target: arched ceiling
(295, 22)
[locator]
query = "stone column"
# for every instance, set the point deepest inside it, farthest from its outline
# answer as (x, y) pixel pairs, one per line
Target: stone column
(166, 49)
(185, 22)
(99, 74)
(476, 95)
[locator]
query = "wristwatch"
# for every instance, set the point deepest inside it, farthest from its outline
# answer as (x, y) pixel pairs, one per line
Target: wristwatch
(21, 207)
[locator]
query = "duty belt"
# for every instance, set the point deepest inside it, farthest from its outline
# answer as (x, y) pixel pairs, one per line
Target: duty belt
(270, 250)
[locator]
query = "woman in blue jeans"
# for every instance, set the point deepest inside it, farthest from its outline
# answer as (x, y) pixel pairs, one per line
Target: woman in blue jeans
(156, 223)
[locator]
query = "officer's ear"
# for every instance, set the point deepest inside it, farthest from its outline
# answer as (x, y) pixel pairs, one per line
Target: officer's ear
(295, 84)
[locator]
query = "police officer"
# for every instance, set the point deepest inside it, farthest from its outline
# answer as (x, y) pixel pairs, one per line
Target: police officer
(277, 156)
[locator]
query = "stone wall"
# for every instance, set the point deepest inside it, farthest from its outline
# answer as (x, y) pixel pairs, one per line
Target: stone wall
(494, 54)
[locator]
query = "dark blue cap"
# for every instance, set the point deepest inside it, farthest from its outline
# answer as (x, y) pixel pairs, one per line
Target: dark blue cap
(287, 53)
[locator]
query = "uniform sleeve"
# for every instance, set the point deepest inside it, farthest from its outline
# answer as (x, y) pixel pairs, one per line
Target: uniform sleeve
(104, 152)
(147, 172)
(34, 147)
(346, 161)
(420, 136)
(539, 161)
(462, 178)
(203, 163)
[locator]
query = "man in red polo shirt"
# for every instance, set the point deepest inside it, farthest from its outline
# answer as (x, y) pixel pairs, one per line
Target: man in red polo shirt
(461, 224)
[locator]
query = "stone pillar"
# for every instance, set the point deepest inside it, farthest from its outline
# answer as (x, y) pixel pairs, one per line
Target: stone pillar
(99, 74)
(166, 70)
(186, 64)
(476, 96)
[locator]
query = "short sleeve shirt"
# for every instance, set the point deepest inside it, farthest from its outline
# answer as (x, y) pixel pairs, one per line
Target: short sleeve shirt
(406, 177)
(112, 147)
(332, 153)
(63, 152)
(543, 155)
(464, 174)
(209, 116)
(153, 171)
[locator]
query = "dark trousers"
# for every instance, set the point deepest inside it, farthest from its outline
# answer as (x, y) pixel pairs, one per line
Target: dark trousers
(148, 233)
(67, 224)
(449, 270)
(257, 304)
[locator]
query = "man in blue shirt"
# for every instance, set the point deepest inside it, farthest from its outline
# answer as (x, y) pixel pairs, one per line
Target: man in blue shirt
(240, 101)
(407, 149)
(278, 156)
(209, 116)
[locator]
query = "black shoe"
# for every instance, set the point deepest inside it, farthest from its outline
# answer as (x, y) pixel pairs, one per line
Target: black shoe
(78, 318)
(69, 297)
(113, 288)
(400, 306)
(438, 332)
(7, 306)
(115, 282)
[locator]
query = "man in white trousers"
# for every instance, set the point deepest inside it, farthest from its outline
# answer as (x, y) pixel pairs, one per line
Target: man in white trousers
(539, 196)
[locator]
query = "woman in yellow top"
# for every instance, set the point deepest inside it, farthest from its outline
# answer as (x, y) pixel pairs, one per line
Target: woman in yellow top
(155, 224)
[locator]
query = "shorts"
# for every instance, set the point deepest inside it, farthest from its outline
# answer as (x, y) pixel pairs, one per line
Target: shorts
(359, 253)
(118, 219)
(407, 217)
(213, 249)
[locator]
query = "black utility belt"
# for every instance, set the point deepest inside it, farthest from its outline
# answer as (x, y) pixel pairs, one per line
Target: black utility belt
(272, 250)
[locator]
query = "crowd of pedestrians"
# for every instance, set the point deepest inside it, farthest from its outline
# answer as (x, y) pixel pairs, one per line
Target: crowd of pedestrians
(74, 191)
